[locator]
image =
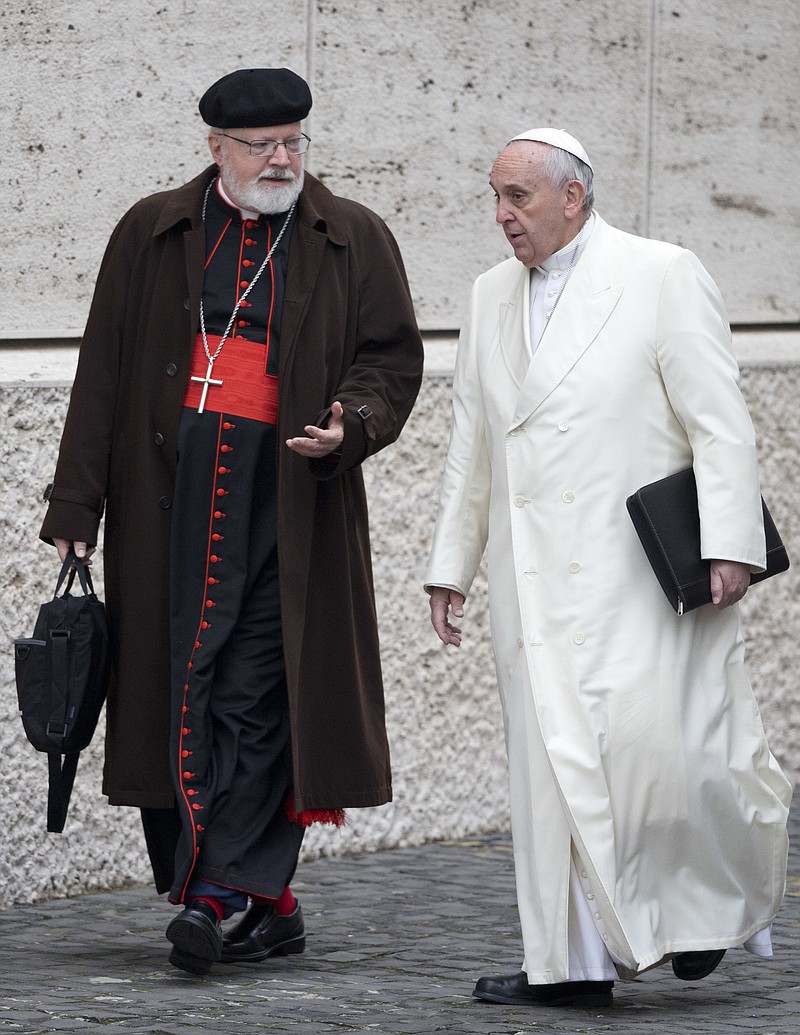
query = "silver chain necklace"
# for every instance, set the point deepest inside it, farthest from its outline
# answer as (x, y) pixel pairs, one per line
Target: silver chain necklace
(207, 381)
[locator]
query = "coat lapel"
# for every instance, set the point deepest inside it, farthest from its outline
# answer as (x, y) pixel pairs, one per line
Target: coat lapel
(317, 223)
(514, 328)
(305, 257)
(588, 300)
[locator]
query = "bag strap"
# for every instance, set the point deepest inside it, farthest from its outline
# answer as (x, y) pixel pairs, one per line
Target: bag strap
(59, 788)
(72, 565)
(59, 652)
(61, 775)
(59, 684)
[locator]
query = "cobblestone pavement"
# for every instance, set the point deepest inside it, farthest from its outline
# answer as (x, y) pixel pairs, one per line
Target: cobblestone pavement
(396, 940)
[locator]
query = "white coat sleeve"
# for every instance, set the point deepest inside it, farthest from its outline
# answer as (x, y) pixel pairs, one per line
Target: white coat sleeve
(701, 378)
(462, 521)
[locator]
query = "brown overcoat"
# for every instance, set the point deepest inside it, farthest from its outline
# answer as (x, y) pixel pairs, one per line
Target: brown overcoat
(348, 332)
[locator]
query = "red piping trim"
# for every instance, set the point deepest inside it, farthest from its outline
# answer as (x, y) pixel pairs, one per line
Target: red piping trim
(190, 806)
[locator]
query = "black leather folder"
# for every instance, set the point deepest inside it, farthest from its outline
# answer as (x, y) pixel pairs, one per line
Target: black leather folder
(666, 519)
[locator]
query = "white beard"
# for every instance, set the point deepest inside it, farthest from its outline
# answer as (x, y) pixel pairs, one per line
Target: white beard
(256, 196)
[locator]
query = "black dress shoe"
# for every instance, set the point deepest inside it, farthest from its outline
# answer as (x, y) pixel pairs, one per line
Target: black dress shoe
(261, 933)
(516, 991)
(692, 966)
(196, 937)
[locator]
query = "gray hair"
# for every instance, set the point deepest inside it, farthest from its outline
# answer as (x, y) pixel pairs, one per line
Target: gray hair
(560, 167)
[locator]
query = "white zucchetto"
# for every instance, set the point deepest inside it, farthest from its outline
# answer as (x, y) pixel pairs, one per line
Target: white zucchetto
(558, 138)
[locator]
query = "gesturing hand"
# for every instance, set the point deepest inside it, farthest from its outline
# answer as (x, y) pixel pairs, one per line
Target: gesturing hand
(321, 441)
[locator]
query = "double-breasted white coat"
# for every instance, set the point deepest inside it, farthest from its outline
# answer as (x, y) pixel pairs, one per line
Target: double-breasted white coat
(632, 733)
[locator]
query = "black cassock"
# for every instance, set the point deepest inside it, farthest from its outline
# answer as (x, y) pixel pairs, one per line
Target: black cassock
(230, 724)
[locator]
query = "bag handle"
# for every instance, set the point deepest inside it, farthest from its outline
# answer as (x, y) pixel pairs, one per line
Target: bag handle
(71, 565)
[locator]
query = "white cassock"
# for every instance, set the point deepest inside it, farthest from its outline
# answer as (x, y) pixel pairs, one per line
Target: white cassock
(634, 741)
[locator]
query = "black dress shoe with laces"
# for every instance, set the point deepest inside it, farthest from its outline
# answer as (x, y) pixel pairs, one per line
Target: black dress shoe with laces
(196, 937)
(516, 991)
(693, 966)
(261, 933)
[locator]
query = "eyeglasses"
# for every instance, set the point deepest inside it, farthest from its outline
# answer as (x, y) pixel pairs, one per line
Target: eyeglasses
(267, 148)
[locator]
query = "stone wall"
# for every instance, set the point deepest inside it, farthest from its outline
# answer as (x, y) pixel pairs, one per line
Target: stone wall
(443, 712)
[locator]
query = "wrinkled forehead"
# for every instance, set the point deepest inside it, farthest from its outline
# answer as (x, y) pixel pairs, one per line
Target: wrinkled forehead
(519, 163)
(284, 132)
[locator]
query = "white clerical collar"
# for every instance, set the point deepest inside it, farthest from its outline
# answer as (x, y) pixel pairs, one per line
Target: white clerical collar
(245, 213)
(567, 256)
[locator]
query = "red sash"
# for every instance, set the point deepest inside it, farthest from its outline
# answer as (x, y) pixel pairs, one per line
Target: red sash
(246, 390)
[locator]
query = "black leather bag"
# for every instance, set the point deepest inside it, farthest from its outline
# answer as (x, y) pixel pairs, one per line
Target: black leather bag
(667, 521)
(62, 674)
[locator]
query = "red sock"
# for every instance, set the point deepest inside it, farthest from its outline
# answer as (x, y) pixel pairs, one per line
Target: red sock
(286, 904)
(215, 904)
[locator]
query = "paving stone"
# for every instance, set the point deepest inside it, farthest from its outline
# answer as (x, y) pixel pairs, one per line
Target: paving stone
(396, 940)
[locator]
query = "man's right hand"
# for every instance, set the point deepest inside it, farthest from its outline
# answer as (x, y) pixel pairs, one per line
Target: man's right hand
(82, 551)
(442, 602)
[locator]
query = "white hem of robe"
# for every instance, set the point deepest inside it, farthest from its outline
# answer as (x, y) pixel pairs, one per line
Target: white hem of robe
(589, 958)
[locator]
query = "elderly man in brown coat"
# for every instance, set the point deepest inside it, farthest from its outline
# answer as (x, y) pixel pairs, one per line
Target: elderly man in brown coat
(251, 341)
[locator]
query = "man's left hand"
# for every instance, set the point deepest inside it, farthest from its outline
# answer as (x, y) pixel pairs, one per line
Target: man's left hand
(321, 441)
(729, 582)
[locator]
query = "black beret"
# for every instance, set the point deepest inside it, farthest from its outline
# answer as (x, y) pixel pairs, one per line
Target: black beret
(254, 97)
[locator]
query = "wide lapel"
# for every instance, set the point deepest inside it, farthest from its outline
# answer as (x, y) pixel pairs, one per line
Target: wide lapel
(305, 256)
(317, 223)
(588, 300)
(514, 326)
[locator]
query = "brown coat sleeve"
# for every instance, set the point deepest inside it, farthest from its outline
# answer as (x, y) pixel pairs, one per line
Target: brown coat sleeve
(77, 495)
(378, 388)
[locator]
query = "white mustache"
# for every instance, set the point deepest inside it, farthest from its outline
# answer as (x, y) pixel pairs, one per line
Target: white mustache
(278, 174)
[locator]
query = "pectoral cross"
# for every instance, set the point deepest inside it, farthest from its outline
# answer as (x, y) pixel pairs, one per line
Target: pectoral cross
(205, 382)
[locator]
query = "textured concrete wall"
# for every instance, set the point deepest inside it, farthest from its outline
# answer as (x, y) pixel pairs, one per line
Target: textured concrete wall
(687, 108)
(688, 112)
(443, 712)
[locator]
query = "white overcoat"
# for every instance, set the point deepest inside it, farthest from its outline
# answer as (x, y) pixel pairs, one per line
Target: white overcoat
(632, 733)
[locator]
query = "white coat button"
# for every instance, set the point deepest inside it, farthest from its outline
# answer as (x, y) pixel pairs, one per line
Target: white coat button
(574, 567)
(514, 432)
(597, 916)
(568, 497)
(519, 501)
(578, 638)
(520, 641)
(590, 896)
(563, 425)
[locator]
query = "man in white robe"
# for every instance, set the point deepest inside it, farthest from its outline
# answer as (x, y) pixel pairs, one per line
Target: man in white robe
(648, 815)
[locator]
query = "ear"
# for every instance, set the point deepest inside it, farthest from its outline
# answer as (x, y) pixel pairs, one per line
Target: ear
(575, 192)
(215, 147)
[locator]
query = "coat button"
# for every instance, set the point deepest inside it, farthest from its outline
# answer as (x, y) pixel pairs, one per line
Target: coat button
(172, 369)
(574, 568)
(568, 497)
(578, 638)
(164, 502)
(519, 501)
(563, 425)
(186, 304)
(158, 438)
(520, 641)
